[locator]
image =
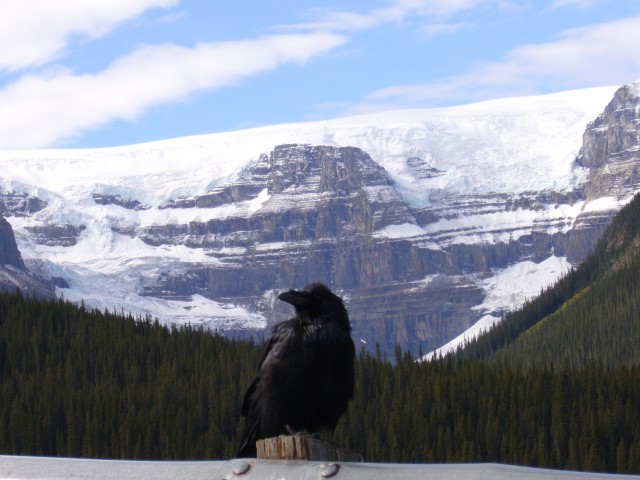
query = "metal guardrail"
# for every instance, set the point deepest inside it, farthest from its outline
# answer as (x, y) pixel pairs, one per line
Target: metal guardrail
(41, 468)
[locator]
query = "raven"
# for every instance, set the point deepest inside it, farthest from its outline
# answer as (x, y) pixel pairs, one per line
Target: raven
(305, 378)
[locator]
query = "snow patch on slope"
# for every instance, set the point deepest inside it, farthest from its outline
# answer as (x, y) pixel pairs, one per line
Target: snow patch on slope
(604, 204)
(509, 288)
(506, 290)
(404, 230)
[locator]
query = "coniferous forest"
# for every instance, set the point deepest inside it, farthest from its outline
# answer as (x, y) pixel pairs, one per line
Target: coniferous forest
(77, 382)
(555, 384)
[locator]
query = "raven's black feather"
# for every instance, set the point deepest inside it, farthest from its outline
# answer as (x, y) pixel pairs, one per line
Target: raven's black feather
(305, 378)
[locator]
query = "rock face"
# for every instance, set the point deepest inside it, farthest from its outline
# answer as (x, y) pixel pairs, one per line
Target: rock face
(328, 214)
(9, 253)
(611, 152)
(320, 209)
(124, 202)
(64, 235)
(19, 204)
(611, 146)
(423, 237)
(13, 273)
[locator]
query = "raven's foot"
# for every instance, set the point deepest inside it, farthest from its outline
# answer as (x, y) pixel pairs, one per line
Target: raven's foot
(302, 433)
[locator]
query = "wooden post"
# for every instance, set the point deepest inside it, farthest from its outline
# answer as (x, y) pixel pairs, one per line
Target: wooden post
(301, 447)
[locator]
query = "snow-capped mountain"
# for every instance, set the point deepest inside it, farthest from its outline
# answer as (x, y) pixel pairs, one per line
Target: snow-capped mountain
(427, 221)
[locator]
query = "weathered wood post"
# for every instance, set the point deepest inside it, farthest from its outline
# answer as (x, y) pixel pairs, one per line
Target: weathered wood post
(301, 447)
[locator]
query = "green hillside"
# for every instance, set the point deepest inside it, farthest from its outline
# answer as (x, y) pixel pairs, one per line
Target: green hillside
(590, 315)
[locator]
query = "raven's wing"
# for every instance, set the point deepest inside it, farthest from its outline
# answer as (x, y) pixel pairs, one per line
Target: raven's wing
(280, 343)
(277, 347)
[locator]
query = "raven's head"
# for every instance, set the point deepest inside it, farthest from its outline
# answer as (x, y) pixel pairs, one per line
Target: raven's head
(316, 302)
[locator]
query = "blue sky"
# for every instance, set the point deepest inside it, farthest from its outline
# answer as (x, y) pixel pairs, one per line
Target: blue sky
(78, 74)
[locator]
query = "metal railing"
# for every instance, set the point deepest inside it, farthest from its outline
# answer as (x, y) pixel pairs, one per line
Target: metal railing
(40, 468)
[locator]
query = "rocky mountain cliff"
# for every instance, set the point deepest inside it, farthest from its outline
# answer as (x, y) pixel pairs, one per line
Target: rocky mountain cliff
(611, 146)
(322, 213)
(427, 222)
(13, 273)
(611, 153)
(9, 253)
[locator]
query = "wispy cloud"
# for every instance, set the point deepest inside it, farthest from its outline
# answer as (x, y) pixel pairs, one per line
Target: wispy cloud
(39, 110)
(35, 32)
(596, 55)
(435, 29)
(572, 3)
(434, 11)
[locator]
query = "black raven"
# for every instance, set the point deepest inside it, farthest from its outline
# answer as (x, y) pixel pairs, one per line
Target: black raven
(305, 378)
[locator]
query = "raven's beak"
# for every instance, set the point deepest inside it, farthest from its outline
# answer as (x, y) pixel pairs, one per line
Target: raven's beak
(295, 298)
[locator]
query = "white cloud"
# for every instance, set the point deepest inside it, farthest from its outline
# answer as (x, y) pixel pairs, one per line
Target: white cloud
(398, 11)
(38, 111)
(435, 29)
(35, 32)
(572, 3)
(444, 8)
(604, 54)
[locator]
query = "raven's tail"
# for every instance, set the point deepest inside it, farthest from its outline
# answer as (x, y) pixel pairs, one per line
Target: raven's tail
(247, 447)
(253, 416)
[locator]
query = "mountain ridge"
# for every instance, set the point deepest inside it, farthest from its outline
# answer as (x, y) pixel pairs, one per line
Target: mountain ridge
(461, 197)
